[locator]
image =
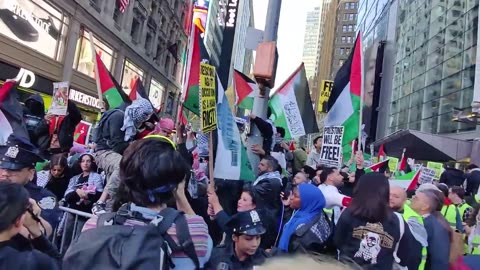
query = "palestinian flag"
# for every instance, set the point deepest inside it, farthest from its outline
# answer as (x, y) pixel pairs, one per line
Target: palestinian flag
(408, 181)
(231, 160)
(109, 87)
(378, 167)
(292, 106)
(245, 90)
(137, 90)
(197, 53)
(11, 113)
(344, 102)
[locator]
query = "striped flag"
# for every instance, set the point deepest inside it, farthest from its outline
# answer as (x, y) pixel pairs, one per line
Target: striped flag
(408, 181)
(344, 101)
(378, 167)
(245, 90)
(123, 5)
(110, 90)
(11, 114)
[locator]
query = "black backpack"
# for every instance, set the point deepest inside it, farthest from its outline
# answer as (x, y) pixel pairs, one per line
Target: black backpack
(97, 133)
(131, 247)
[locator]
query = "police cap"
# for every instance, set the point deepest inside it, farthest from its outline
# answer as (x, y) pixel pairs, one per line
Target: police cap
(18, 153)
(248, 223)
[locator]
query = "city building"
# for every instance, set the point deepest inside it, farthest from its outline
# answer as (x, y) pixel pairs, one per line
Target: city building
(311, 43)
(344, 33)
(214, 31)
(50, 42)
(434, 66)
(377, 20)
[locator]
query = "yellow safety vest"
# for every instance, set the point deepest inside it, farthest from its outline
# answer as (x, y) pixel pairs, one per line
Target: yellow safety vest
(476, 246)
(477, 198)
(448, 211)
(409, 213)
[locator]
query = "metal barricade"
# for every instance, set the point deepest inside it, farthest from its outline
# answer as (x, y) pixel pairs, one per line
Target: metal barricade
(65, 234)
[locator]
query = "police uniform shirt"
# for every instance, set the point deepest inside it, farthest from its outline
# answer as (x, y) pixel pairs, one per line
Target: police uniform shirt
(47, 202)
(224, 258)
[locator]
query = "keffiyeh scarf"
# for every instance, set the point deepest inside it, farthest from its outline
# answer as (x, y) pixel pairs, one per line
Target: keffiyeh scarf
(138, 112)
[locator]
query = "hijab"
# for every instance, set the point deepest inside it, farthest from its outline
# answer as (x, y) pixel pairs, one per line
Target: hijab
(312, 204)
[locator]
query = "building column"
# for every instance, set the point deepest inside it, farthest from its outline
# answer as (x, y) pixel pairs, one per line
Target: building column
(146, 83)
(71, 46)
(118, 69)
(128, 18)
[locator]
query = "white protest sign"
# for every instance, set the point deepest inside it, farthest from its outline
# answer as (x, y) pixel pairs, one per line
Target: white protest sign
(331, 154)
(426, 176)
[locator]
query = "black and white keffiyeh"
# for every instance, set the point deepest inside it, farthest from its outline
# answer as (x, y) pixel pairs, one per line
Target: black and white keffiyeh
(138, 112)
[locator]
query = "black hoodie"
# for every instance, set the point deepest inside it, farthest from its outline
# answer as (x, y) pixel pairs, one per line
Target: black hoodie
(452, 177)
(34, 113)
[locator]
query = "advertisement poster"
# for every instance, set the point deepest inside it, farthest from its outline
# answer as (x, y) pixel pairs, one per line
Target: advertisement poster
(325, 91)
(59, 99)
(82, 132)
(331, 154)
(208, 104)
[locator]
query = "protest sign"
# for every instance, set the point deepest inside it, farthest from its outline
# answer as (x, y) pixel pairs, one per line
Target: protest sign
(392, 163)
(426, 176)
(59, 99)
(82, 132)
(208, 111)
(438, 167)
(331, 154)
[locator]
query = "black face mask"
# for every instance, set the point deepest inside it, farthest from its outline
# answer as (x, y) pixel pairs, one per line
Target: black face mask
(36, 108)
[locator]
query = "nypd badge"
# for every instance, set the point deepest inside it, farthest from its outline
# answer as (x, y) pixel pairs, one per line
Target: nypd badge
(47, 203)
(255, 217)
(12, 152)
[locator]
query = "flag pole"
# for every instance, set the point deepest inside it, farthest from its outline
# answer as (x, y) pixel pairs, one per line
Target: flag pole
(97, 79)
(401, 158)
(362, 90)
(211, 183)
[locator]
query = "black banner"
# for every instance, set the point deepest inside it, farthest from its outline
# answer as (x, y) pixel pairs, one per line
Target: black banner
(227, 44)
(28, 79)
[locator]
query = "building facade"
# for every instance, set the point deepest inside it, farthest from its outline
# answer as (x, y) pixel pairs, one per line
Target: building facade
(214, 31)
(344, 33)
(52, 43)
(435, 61)
(311, 43)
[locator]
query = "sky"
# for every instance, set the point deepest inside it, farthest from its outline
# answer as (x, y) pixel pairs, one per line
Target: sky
(291, 31)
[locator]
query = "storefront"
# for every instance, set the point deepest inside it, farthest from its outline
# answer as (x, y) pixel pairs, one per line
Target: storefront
(156, 94)
(31, 83)
(131, 73)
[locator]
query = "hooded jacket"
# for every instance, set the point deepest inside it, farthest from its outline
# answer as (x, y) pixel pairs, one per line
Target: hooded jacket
(110, 136)
(67, 127)
(452, 177)
(33, 114)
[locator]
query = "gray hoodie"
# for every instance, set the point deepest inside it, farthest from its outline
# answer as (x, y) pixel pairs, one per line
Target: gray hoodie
(313, 158)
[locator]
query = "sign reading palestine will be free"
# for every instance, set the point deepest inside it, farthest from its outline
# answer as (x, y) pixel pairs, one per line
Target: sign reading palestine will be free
(208, 110)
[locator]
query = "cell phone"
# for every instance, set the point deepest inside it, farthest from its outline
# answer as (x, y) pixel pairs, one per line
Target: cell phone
(286, 194)
(20, 27)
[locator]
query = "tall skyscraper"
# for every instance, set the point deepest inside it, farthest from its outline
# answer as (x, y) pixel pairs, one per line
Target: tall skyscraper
(344, 33)
(311, 44)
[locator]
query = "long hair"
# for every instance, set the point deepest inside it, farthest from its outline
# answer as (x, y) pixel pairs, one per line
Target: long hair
(57, 160)
(371, 198)
(150, 171)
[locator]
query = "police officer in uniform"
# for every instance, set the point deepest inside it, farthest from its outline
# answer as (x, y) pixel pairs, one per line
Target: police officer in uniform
(17, 164)
(244, 251)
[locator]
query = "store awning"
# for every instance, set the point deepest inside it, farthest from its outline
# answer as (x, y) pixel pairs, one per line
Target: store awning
(425, 146)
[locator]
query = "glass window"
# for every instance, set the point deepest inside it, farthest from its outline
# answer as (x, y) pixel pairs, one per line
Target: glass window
(471, 18)
(452, 84)
(351, 17)
(433, 75)
(418, 83)
(36, 24)
(454, 14)
(437, 42)
(432, 92)
(470, 4)
(415, 125)
(446, 125)
(417, 98)
(467, 97)
(156, 94)
(344, 39)
(347, 5)
(83, 61)
(342, 51)
(447, 103)
(469, 57)
(415, 114)
(437, 25)
(471, 37)
(452, 48)
(468, 77)
(435, 58)
(349, 39)
(456, 4)
(430, 125)
(452, 65)
(430, 109)
(130, 74)
(344, 28)
(406, 89)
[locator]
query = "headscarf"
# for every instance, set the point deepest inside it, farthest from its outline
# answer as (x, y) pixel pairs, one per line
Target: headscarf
(312, 204)
(138, 112)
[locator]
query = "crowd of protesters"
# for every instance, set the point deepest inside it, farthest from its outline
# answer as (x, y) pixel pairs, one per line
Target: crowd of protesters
(154, 206)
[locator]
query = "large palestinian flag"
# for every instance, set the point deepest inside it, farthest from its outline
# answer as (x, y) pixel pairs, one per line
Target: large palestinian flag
(245, 90)
(292, 107)
(112, 92)
(344, 102)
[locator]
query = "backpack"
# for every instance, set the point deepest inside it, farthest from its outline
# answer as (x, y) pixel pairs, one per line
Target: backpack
(131, 247)
(97, 135)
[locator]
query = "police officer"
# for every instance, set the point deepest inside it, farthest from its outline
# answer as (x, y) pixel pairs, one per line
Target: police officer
(244, 251)
(17, 164)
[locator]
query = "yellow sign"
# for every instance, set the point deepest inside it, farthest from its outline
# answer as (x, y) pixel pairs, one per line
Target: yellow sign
(325, 91)
(438, 167)
(393, 163)
(208, 104)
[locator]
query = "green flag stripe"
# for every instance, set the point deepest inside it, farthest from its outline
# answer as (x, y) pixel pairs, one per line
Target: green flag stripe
(113, 97)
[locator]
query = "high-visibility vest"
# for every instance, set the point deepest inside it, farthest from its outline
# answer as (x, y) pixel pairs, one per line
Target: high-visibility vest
(477, 198)
(409, 213)
(475, 250)
(450, 214)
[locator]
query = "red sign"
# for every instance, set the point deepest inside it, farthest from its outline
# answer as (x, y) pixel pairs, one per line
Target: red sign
(82, 132)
